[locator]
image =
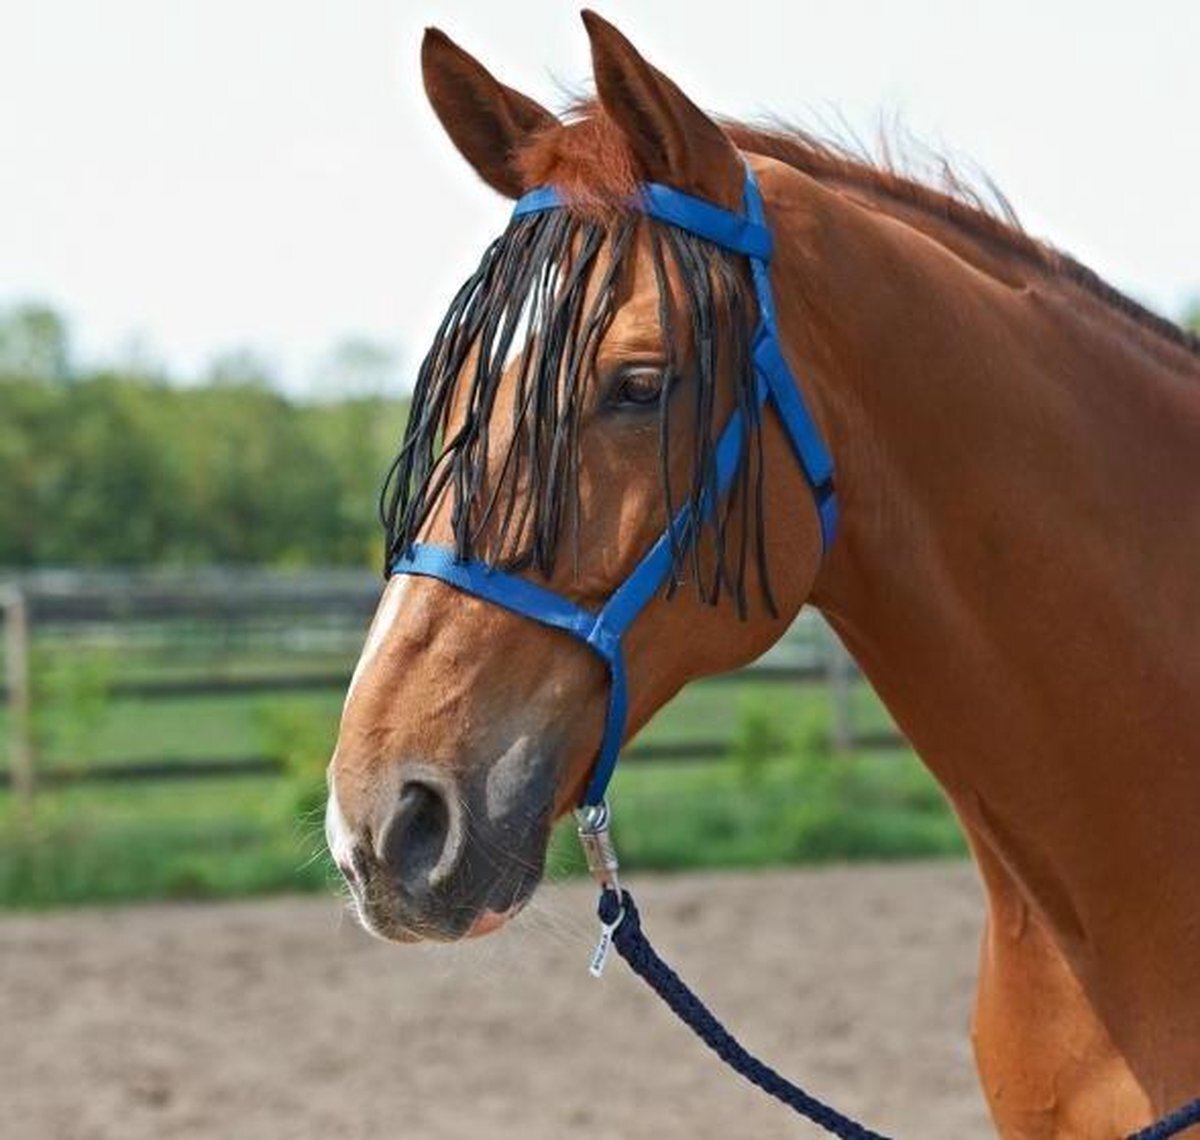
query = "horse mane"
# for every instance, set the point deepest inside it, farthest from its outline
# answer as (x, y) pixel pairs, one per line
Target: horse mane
(590, 158)
(983, 214)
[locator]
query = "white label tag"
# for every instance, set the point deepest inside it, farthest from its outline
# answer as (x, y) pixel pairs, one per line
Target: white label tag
(600, 954)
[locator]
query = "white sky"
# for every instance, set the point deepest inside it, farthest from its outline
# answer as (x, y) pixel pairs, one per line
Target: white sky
(203, 175)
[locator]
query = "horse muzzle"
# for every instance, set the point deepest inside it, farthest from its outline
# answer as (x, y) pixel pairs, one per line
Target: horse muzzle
(441, 859)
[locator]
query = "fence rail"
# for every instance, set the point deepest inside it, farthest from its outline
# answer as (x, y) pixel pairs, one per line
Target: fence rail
(332, 682)
(73, 610)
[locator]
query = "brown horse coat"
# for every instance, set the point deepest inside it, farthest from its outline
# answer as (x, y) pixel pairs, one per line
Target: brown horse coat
(1018, 460)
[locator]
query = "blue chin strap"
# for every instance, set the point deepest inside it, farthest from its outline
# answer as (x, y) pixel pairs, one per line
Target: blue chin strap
(744, 233)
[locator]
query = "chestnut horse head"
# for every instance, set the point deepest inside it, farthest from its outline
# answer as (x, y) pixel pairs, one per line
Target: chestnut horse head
(571, 406)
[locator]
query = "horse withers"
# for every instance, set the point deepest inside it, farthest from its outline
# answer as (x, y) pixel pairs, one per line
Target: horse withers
(1017, 454)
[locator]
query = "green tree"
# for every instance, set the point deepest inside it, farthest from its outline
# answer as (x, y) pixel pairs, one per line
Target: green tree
(35, 344)
(115, 484)
(121, 467)
(32, 418)
(357, 439)
(356, 368)
(240, 368)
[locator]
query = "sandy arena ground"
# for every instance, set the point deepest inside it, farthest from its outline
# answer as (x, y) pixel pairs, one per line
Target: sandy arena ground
(281, 1019)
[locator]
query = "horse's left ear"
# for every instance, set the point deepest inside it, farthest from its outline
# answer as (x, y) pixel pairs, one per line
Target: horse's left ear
(673, 141)
(486, 120)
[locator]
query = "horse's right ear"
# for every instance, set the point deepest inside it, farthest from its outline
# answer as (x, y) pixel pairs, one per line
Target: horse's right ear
(487, 121)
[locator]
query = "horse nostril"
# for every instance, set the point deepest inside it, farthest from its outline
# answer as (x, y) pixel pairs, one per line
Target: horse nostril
(419, 844)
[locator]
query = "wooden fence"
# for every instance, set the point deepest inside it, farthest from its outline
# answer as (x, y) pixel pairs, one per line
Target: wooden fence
(71, 610)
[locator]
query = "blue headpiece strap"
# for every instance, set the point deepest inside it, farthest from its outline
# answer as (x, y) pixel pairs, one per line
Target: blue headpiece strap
(735, 232)
(744, 233)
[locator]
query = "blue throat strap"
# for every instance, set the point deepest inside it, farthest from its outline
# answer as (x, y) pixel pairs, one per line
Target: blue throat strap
(745, 233)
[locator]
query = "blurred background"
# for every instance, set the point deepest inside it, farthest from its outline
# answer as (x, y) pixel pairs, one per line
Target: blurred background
(227, 231)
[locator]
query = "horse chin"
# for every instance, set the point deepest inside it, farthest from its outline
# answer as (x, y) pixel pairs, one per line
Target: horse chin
(388, 928)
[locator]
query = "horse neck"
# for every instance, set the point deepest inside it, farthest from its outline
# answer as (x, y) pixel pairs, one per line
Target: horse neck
(1015, 572)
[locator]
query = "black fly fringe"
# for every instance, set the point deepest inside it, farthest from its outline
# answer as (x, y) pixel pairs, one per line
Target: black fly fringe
(532, 309)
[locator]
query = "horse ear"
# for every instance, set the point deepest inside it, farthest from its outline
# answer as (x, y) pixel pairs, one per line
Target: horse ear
(487, 121)
(673, 141)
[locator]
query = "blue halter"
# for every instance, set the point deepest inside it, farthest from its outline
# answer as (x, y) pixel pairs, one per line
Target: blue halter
(745, 233)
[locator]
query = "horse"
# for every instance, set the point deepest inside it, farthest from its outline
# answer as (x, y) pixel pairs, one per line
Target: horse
(1017, 451)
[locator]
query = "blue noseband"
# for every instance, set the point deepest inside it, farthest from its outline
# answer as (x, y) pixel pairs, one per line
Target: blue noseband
(745, 233)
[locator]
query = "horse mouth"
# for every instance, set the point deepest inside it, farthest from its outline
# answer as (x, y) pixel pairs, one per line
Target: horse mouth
(456, 915)
(382, 922)
(489, 921)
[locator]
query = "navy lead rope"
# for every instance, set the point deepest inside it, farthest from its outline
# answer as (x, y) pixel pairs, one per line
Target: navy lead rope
(621, 927)
(635, 948)
(619, 916)
(1172, 1124)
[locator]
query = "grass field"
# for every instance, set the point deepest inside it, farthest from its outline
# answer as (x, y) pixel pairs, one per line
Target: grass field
(777, 798)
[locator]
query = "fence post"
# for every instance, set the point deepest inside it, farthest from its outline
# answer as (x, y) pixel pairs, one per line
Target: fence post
(840, 670)
(16, 662)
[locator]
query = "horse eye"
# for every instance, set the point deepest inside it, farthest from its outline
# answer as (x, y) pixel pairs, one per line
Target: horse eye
(638, 387)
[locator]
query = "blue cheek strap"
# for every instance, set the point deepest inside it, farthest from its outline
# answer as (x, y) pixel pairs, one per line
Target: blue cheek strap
(603, 632)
